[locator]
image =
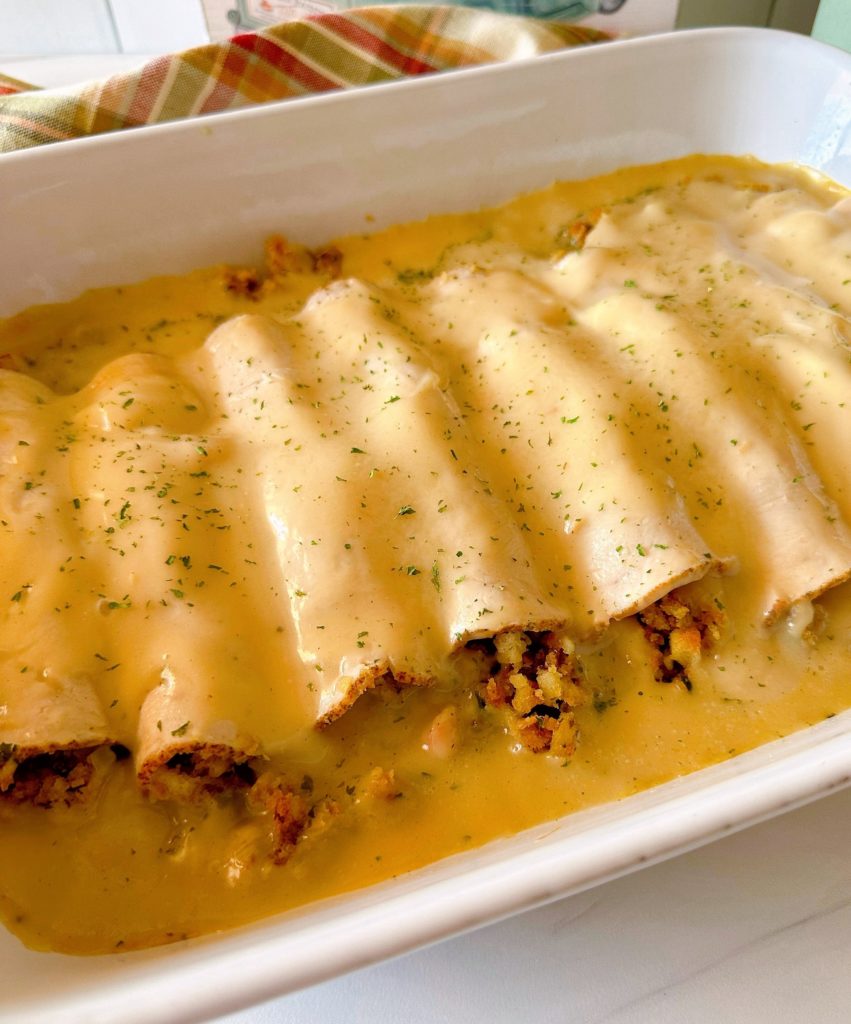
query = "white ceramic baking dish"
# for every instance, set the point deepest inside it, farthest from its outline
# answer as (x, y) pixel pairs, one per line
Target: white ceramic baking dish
(123, 207)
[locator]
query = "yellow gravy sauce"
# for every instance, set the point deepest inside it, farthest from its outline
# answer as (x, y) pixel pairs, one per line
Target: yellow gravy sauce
(122, 872)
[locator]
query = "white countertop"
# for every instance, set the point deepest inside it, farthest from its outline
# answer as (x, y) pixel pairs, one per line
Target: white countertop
(753, 928)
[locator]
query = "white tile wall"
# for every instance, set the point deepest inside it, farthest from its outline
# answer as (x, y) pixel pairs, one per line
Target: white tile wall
(154, 26)
(43, 27)
(56, 26)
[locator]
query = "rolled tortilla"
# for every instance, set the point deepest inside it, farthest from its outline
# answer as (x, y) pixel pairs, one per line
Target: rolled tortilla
(685, 336)
(52, 724)
(556, 414)
(795, 333)
(817, 421)
(186, 609)
(50, 731)
(606, 525)
(752, 481)
(394, 548)
(185, 748)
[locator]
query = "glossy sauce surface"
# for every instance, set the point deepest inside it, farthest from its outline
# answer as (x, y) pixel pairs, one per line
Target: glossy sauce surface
(669, 393)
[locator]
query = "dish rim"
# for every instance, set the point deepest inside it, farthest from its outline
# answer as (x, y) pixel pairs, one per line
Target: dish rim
(68, 147)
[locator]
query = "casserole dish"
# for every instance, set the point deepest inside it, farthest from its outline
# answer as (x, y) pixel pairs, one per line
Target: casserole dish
(122, 208)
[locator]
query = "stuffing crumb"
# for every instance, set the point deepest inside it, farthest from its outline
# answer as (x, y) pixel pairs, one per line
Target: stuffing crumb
(58, 777)
(510, 648)
(279, 819)
(282, 259)
(571, 237)
(537, 680)
(243, 282)
(199, 771)
(680, 633)
(327, 261)
(380, 784)
(288, 813)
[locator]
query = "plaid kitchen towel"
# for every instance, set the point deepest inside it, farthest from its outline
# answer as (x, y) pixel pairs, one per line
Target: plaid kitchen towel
(9, 85)
(316, 54)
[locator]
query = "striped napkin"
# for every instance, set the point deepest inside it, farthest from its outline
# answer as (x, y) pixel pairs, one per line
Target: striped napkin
(328, 51)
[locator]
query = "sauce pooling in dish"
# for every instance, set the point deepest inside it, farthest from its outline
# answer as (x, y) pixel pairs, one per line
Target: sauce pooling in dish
(443, 531)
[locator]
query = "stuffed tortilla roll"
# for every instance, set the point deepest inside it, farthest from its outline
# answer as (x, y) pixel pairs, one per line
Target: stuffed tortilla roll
(206, 653)
(595, 502)
(51, 733)
(746, 475)
(52, 724)
(730, 442)
(395, 551)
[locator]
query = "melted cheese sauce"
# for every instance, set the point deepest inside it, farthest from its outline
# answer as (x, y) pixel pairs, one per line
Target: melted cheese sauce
(723, 286)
